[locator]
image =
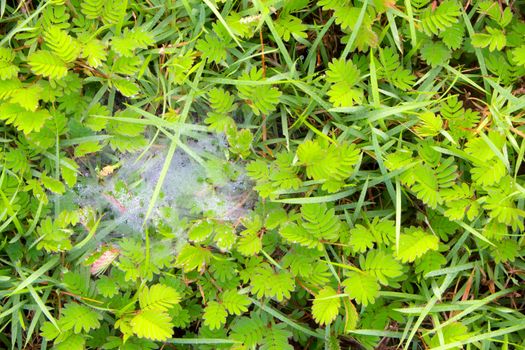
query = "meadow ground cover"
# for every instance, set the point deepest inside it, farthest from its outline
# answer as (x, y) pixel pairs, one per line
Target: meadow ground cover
(262, 174)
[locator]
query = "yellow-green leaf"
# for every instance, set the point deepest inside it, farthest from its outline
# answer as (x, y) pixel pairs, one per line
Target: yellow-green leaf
(326, 305)
(152, 324)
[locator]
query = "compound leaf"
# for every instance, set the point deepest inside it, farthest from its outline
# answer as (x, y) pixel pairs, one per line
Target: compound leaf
(158, 297)
(152, 324)
(325, 306)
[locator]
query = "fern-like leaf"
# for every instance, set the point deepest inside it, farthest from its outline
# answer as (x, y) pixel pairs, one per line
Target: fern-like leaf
(460, 121)
(361, 239)
(495, 39)
(392, 70)
(158, 297)
(56, 16)
(453, 36)
(27, 97)
(24, 120)
(503, 66)
(479, 148)
(294, 233)
(92, 8)
(288, 26)
(435, 53)
(325, 307)
(249, 331)
(340, 70)
(8, 87)
(94, 51)
(503, 209)
(79, 318)
(362, 286)
(214, 315)
(343, 75)
(262, 98)
(382, 265)
(239, 26)
(200, 231)
(62, 44)
(131, 40)
(249, 244)
(47, 64)
(494, 10)
(320, 221)
(222, 103)
(126, 65)
(331, 163)
(430, 261)
(214, 48)
(444, 16)
(235, 303)
(71, 342)
(419, 5)
(427, 186)
(180, 66)
(402, 79)
(429, 125)
(7, 69)
(276, 338)
(107, 287)
(191, 258)
(126, 87)
(518, 55)
(271, 284)
(152, 324)
(505, 251)
(224, 237)
(113, 11)
(489, 172)
(428, 181)
(414, 244)
(342, 95)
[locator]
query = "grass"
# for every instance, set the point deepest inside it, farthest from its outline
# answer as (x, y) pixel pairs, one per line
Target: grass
(464, 291)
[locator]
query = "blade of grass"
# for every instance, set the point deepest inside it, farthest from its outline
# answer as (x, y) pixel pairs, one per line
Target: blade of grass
(385, 112)
(35, 320)
(485, 336)
(476, 305)
(479, 55)
(9, 210)
(311, 59)
(221, 19)
(360, 201)
(398, 214)
(22, 25)
(35, 275)
(172, 148)
(41, 305)
(376, 333)
(411, 23)
(379, 159)
(453, 269)
(393, 28)
(317, 199)
(201, 341)
(373, 80)
(88, 237)
(286, 320)
(355, 30)
(428, 307)
(280, 44)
